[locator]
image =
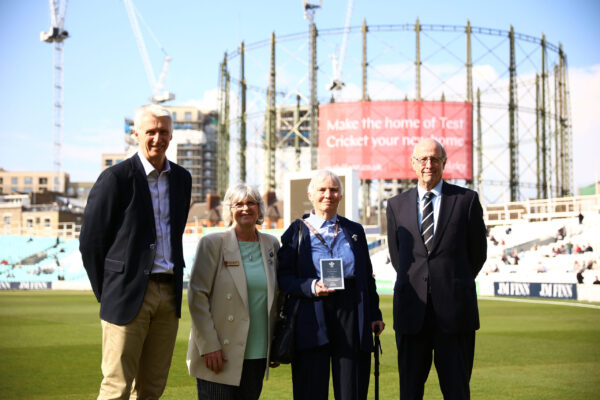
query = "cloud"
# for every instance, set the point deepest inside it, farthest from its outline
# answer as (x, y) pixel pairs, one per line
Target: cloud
(209, 101)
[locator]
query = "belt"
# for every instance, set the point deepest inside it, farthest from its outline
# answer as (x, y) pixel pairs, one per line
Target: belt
(162, 278)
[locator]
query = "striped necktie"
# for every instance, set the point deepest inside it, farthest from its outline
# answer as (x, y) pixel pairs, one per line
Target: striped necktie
(427, 224)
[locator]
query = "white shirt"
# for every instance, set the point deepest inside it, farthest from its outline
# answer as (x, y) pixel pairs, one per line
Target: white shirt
(158, 183)
(437, 190)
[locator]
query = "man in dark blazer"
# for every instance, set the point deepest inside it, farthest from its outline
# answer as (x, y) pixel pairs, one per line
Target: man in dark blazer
(132, 251)
(437, 244)
(333, 327)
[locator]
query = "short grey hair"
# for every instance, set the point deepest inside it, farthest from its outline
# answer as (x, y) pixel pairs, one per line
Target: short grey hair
(322, 174)
(439, 145)
(242, 192)
(153, 109)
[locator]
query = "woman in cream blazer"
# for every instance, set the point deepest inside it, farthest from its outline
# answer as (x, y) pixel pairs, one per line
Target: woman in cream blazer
(232, 301)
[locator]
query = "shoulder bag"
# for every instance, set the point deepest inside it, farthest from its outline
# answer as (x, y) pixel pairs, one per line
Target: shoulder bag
(283, 343)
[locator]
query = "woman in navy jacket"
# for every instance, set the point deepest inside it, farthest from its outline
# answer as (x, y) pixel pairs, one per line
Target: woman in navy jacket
(333, 326)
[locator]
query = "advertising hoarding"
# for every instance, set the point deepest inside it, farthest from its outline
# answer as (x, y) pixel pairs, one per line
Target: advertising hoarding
(377, 137)
(535, 289)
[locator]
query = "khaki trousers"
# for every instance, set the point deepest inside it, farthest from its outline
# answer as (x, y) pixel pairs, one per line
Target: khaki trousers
(139, 354)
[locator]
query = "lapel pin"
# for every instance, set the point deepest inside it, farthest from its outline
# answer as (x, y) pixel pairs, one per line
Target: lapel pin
(355, 237)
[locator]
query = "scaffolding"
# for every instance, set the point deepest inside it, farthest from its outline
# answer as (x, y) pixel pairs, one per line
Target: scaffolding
(515, 114)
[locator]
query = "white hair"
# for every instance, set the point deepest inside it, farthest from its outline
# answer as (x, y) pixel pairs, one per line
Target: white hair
(153, 109)
(321, 175)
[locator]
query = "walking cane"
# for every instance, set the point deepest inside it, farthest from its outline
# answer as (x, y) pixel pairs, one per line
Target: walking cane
(377, 351)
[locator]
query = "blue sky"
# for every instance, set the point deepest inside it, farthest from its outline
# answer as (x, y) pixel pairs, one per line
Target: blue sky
(105, 79)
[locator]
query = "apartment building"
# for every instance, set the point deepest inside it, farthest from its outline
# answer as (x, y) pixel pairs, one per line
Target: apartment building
(13, 182)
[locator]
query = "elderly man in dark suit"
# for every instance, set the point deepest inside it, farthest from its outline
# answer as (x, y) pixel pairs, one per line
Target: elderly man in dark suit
(131, 247)
(437, 244)
(334, 327)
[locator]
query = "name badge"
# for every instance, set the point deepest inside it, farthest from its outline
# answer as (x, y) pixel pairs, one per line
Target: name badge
(232, 263)
(332, 273)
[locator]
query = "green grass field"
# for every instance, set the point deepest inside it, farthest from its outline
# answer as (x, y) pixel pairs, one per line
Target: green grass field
(50, 349)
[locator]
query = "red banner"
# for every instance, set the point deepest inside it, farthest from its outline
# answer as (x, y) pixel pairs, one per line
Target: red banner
(377, 137)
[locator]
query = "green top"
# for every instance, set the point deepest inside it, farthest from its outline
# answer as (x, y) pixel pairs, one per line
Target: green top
(256, 279)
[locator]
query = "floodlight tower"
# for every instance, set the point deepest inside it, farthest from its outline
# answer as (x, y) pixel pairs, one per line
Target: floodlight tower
(56, 34)
(309, 13)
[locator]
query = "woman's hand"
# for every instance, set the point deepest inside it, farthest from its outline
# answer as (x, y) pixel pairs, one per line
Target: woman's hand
(214, 361)
(322, 290)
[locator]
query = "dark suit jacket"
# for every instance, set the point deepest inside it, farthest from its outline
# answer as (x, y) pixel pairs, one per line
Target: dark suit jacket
(296, 273)
(458, 253)
(118, 238)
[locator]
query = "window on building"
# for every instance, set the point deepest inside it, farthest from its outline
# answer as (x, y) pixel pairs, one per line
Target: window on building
(37, 221)
(28, 180)
(1, 181)
(43, 181)
(187, 116)
(71, 191)
(14, 180)
(29, 222)
(46, 222)
(108, 162)
(27, 190)
(174, 116)
(56, 180)
(7, 218)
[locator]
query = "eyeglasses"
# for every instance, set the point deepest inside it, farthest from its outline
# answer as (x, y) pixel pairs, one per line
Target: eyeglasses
(433, 160)
(241, 204)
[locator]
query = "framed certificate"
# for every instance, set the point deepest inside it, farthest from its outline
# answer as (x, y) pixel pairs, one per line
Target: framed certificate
(332, 273)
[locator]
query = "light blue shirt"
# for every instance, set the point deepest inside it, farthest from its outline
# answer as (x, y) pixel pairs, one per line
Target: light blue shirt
(341, 245)
(437, 190)
(158, 184)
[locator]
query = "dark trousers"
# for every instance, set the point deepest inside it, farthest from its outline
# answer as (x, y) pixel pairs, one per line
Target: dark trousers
(350, 367)
(452, 354)
(250, 387)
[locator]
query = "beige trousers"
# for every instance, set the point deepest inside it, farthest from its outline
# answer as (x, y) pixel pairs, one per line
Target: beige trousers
(138, 355)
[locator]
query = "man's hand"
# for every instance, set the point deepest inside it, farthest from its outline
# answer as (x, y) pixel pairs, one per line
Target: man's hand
(378, 327)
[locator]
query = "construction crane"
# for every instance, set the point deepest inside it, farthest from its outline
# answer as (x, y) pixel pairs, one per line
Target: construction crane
(56, 35)
(159, 94)
(337, 84)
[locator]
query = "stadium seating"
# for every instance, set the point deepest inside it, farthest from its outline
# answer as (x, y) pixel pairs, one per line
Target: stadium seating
(532, 241)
